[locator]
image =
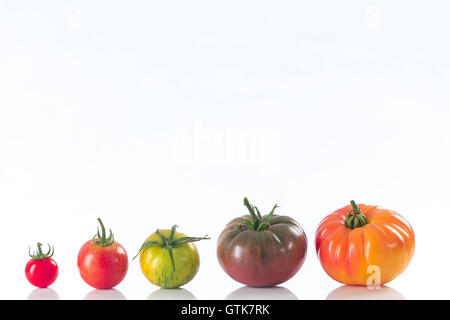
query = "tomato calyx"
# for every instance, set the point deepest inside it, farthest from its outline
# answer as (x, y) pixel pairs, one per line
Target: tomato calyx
(101, 239)
(39, 255)
(355, 218)
(257, 223)
(170, 242)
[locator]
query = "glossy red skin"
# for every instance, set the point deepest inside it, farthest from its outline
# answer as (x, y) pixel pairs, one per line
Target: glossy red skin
(41, 273)
(262, 258)
(102, 267)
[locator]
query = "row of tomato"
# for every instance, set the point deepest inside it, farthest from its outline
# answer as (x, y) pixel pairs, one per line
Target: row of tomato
(356, 245)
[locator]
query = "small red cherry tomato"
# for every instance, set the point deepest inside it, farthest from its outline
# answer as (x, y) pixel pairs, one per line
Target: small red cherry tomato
(103, 263)
(41, 271)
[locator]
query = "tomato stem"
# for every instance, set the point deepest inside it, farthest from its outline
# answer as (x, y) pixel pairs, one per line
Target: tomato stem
(355, 208)
(257, 223)
(101, 239)
(170, 242)
(355, 218)
(39, 245)
(39, 255)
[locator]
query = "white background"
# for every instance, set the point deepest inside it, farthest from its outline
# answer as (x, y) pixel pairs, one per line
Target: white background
(152, 113)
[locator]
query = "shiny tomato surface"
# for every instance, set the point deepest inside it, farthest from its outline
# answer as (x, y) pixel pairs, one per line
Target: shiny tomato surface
(102, 267)
(158, 268)
(379, 249)
(262, 258)
(41, 273)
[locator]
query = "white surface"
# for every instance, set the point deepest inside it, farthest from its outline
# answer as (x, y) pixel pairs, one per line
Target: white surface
(154, 114)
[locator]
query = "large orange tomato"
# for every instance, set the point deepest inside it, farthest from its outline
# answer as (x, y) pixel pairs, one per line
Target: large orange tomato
(364, 245)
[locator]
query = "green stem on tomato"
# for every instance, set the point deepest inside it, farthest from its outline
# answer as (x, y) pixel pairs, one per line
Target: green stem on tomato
(170, 243)
(355, 218)
(100, 238)
(257, 223)
(39, 255)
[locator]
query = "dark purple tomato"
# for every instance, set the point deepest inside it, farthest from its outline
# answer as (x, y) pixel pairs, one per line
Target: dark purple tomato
(262, 251)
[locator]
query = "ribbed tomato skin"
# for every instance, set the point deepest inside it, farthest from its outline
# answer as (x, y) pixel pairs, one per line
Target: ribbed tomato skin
(350, 256)
(262, 258)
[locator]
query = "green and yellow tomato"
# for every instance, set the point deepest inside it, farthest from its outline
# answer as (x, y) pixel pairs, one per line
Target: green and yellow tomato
(169, 259)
